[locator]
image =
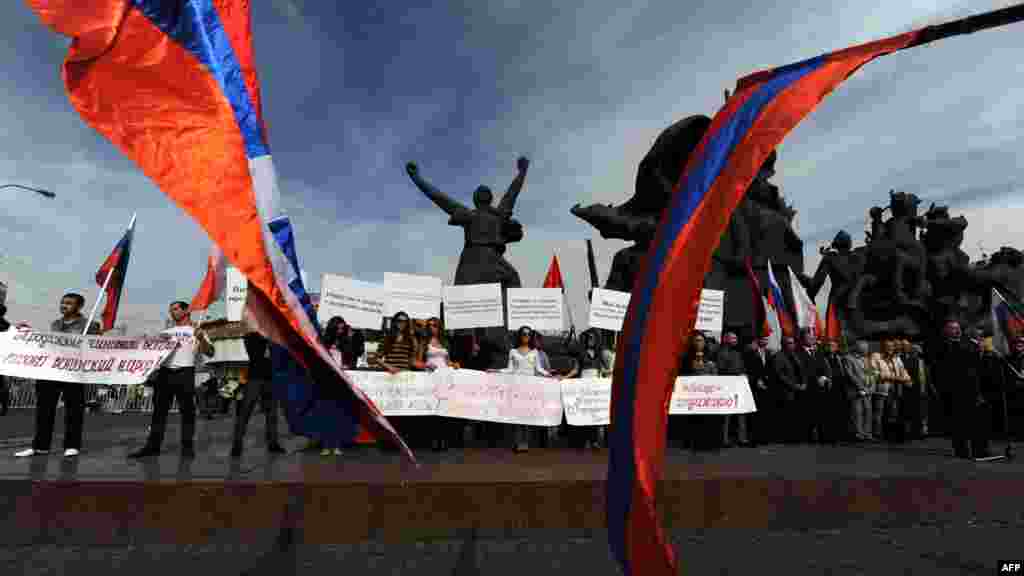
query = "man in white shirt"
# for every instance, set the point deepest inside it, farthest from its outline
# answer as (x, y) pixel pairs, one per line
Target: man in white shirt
(177, 379)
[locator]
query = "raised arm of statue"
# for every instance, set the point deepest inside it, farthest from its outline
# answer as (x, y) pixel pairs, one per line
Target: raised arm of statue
(508, 202)
(444, 202)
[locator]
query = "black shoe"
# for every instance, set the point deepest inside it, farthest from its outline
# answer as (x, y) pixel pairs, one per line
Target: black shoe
(188, 453)
(276, 448)
(145, 452)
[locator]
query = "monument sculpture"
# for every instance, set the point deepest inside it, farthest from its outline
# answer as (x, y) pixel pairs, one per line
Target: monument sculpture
(842, 265)
(488, 231)
(760, 228)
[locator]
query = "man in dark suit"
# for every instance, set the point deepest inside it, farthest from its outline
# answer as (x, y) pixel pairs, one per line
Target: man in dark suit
(757, 364)
(790, 386)
(817, 377)
(955, 363)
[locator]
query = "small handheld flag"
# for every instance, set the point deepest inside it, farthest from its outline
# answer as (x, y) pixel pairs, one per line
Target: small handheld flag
(212, 288)
(110, 277)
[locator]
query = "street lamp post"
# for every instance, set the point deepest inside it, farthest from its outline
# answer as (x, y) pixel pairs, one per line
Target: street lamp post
(39, 191)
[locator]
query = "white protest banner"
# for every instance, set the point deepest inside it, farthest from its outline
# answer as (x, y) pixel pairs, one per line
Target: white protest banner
(538, 308)
(64, 357)
(711, 311)
(402, 394)
(498, 397)
(418, 296)
(361, 304)
(587, 401)
(473, 306)
(712, 395)
(608, 309)
(234, 294)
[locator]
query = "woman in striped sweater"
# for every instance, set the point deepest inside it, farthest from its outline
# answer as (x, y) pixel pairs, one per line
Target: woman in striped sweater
(398, 353)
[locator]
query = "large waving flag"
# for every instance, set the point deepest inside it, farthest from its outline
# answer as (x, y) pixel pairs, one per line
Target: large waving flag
(173, 84)
(212, 288)
(111, 276)
(755, 119)
(777, 303)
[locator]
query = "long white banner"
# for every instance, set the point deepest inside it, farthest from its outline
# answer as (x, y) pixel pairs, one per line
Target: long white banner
(533, 401)
(82, 359)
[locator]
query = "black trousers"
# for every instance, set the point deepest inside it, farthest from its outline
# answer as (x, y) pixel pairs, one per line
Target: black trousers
(170, 384)
(5, 395)
(256, 391)
(972, 428)
(47, 395)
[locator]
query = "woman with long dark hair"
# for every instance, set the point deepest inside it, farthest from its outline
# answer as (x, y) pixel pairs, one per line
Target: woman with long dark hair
(399, 353)
(345, 344)
(524, 359)
(434, 355)
(694, 431)
(589, 363)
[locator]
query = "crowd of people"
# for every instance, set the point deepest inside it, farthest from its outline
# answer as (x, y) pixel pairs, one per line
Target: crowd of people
(829, 392)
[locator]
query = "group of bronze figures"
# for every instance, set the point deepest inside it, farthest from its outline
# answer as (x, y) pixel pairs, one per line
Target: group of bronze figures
(908, 277)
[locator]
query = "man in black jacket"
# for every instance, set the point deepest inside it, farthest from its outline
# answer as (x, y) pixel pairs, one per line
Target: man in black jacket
(730, 363)
(757, 361)
(258, 389)
(817, 377)
(955, 365)
(791, 387)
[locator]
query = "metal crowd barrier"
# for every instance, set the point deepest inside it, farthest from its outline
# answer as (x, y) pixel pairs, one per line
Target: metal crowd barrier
(113, 399)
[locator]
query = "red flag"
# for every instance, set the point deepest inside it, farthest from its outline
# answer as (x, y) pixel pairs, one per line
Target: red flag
(213, 284)
(111, 276)
(554, 276)
(833, 329)
(761, 328)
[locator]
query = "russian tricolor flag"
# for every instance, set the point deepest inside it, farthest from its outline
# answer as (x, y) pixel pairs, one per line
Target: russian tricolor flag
(111, 275)
(173, 84)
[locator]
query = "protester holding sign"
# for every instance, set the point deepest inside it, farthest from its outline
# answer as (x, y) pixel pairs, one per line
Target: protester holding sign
(434, 356)
(524, 359)
(345, 344)
(259, 388)
(695, 431)
(49, 392)
(398, 353)
(177, 379)
(590, 363)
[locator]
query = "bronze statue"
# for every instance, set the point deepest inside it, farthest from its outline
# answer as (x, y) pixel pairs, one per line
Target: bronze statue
(842, 265)
(488, 229)
(637, 219)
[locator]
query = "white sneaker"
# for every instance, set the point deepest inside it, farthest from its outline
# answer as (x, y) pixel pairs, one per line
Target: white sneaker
(30, 452)
(70, 453)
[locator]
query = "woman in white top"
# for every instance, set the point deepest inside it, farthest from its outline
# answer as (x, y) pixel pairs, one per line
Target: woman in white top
(434, 356)
(524, 359)
(591, 362)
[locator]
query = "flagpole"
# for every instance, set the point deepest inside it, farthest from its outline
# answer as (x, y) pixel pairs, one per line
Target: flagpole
(103, 290)
(970, 24)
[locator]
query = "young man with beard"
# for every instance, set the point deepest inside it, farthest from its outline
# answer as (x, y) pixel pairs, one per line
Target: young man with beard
(730, 363)
(48, 393)
(177, 379)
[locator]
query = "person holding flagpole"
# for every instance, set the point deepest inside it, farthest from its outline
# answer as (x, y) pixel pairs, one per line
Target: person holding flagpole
(177, 379)
(48, 393)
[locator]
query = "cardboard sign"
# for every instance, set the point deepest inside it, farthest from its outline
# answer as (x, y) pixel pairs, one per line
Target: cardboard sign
(711, 312)
(361, 304)
(417, 296)
(473, 306)
(608, 309)
(538, 308)
(234, 294)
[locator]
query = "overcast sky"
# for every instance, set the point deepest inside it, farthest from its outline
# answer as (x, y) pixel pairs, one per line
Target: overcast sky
(352, 92)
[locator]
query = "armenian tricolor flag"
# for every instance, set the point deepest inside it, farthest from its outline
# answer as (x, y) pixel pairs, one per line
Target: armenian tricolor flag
(761, 328)
(111, 275)
(763, 109)
(173, 84)
(1007, 322)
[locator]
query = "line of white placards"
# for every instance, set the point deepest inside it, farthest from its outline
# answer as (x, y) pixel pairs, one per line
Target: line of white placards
(516, 399)
(364, 304)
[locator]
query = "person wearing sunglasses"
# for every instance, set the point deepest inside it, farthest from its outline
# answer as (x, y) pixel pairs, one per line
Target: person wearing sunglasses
(524, 359)
(398, 353)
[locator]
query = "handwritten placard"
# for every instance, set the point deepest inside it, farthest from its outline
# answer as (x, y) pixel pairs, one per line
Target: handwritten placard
(402, 394)
(712, 395)
(417, 296)
(587, 401)
(608, 309)
(711, 311)
(473, 306)
(496, 397)
(361, 304)
(236, 286)
(538, 308)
